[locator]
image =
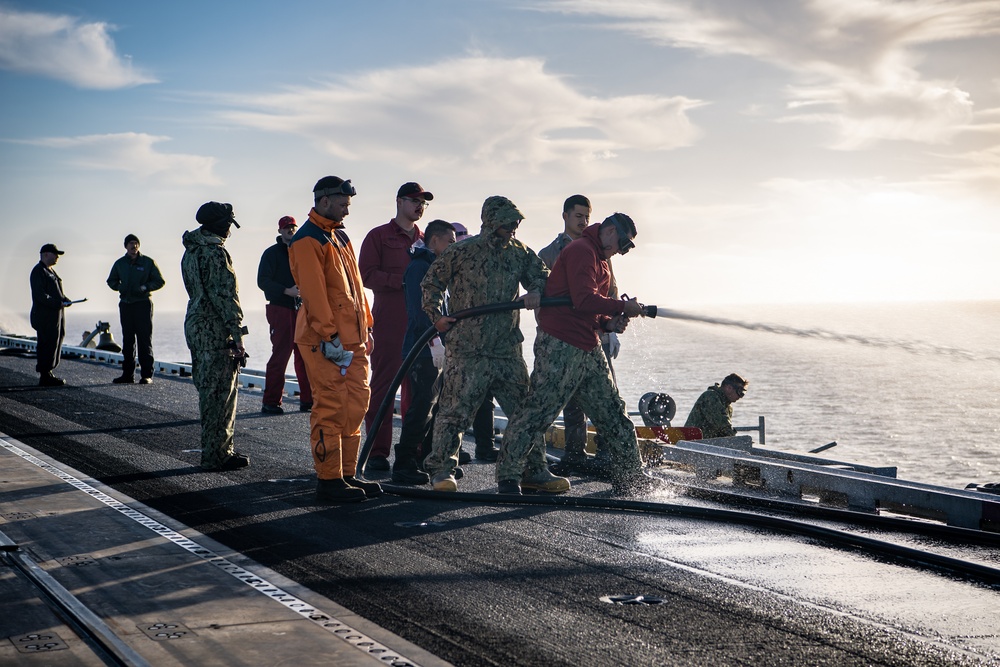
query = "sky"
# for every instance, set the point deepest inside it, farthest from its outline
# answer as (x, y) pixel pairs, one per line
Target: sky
(769, 151)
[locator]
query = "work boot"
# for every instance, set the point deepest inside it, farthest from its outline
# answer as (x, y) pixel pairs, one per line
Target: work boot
(509, 487)
(124, 379)
(444, 481)
(377, 464)
(573, 462)
(337, 491)
(234, 462)
(463, 457)
(638, 483)
(50, 380)
(371, 489)
(145, 380)
(488, 454)
(271, 409)
(545, 481)
(405, 471)
(305, 407)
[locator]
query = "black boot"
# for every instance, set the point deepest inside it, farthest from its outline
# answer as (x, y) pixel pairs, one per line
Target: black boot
(405, 471)
(371, 489)
(337, 491)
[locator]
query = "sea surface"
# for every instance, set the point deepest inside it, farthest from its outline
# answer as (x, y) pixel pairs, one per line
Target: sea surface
(911, 385)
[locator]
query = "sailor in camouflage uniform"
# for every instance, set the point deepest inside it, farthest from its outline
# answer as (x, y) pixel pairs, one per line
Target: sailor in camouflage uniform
(213, 328)
(569, 361)
(483, 354)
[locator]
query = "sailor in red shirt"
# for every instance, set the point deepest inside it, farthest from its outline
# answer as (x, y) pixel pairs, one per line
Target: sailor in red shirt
(569, 360)
(384, 256)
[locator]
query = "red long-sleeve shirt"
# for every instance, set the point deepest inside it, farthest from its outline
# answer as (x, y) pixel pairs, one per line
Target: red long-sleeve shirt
(581, 273)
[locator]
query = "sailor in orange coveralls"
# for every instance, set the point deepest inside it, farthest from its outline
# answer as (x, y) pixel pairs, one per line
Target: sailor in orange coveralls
(333, 332)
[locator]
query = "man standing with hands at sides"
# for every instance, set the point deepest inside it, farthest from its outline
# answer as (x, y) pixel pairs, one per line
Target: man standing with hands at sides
(569, 362)
(333, 332)
(274, 278)
(425, 372)
(213, 329)
(134, 276)
(385, 254)
(47, 319)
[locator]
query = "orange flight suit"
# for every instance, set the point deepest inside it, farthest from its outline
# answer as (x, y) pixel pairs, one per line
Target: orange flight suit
(325, 269)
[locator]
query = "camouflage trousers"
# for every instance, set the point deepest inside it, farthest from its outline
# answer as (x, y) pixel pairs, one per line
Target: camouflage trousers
(562, 372)
(467, 381)
(214, 373)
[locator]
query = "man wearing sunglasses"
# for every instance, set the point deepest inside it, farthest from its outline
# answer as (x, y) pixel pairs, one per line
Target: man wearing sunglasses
(384, 256)
(569, 361)
(713, 411)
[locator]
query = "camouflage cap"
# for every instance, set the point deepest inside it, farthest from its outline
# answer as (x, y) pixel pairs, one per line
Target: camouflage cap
(499, 212)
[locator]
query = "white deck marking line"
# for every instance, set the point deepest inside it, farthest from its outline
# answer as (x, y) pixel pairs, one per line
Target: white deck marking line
(328, 622)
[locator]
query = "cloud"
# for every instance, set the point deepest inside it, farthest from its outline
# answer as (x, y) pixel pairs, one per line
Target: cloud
(855, 61)
(489, 113)
(66, 49)
(135, 153)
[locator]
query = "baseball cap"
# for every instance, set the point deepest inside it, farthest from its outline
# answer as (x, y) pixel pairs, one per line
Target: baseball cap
(413, 190)
(460, 230)
(51, 247)
(287, 221)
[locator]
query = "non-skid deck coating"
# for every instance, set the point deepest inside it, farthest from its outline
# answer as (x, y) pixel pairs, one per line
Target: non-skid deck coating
(472, 584)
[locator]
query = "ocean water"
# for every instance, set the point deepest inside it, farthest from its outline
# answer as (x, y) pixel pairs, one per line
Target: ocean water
(911, 385)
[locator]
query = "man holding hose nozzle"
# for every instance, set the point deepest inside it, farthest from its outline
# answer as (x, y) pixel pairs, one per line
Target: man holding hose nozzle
(483, 354)
(569, 361)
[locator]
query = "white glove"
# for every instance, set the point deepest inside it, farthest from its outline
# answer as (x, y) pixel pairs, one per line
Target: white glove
(613, 345)
(335, 352)
(437, 352)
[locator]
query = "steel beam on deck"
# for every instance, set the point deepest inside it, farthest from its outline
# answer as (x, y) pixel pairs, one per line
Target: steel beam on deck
(835, 485)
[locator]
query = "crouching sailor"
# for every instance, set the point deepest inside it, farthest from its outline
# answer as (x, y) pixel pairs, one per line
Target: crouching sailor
(569, 360)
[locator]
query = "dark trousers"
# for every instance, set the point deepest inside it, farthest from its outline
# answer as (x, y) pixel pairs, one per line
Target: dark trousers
(50, 332)
(418, 422)
(281, 322)
(482, 426)
(137, 332)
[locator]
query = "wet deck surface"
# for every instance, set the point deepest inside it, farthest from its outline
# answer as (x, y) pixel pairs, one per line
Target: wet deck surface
(473, 583)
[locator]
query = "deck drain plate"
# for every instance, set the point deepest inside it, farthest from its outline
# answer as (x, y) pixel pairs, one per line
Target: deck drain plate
(648, 600)
(165, 631)
(76, 561)
(38, 642)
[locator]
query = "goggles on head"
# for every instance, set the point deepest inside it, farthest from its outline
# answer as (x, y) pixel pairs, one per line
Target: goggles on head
(345, 189)
(624, 242)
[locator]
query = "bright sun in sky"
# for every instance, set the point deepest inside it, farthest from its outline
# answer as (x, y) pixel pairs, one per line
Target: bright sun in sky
(809, 151)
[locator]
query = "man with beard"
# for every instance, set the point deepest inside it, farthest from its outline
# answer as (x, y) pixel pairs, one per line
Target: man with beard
(333, 332)
(569, 362)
